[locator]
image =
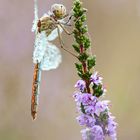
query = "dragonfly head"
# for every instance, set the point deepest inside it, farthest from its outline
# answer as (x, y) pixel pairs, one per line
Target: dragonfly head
(58, 10)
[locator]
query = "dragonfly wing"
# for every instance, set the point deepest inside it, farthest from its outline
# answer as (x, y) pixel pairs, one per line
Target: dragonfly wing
(36, 19)
(34, 26)
(39, 47)
(54, 34)
(52, 57)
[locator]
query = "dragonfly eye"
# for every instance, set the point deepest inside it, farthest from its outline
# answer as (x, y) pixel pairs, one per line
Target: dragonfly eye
(59, 10)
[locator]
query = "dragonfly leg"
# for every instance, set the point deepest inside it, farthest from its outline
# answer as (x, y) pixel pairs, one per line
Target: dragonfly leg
(67, 22)
(65, 30)
(62, 43)
(70, 17)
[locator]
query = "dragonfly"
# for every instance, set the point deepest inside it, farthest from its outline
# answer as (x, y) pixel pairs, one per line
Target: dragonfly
(46, 55)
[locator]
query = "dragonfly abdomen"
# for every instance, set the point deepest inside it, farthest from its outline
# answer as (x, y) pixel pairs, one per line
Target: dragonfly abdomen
(35, 90)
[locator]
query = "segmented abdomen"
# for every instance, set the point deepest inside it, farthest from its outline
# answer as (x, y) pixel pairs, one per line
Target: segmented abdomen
(35, 90)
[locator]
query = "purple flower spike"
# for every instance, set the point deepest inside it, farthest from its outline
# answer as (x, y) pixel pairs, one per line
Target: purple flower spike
(101, 106)
(90, 109)
(97, 132)
(87, 134)
(86, 99)
(112, 128)
(96, 79)
(86, 120)
(91, 113)
(80, 85)
(77, 96)
(94, 113)
(94, 133)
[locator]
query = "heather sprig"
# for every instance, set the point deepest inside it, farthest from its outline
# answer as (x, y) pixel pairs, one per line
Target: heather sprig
(94, 112)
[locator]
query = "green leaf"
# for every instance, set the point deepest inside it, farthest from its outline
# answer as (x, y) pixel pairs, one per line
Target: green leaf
(80, 75)
(91, 62)
(97, 90)
(86, 75)
(77, 3)
(79, 67)
(82, 108)
(104, 117)
(86, 42)
(84, 29)
(83, 18)
(83, 57)
(76, 48)
(78, 24)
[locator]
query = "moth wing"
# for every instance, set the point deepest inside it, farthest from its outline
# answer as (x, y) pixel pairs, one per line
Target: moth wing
(52, 57)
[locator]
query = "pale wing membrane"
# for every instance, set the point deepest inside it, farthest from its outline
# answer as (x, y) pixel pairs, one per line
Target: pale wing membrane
(54, 34)
(52, 57)
(34, 26)
(39, 47)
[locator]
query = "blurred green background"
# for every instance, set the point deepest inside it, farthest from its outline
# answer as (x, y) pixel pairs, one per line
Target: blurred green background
(114, 26)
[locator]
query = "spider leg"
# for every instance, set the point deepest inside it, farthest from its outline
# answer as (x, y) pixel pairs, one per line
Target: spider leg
(62, 43)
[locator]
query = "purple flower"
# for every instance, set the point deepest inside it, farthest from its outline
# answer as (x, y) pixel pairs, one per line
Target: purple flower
(77, 96)
(94, 133)
(111, 128)
(80, 85)
(97, 132)
(101, 106)
(96, 79)
(86, 120)
(88, 99)
(87, 134)
(84, 98)
(97, 127)
(89, 109)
